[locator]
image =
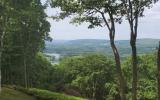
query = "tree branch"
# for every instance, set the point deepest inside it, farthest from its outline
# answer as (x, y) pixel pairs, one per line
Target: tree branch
(104, 18)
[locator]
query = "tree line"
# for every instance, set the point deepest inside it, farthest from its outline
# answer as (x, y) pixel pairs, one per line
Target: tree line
(24, 29)
(93, 76)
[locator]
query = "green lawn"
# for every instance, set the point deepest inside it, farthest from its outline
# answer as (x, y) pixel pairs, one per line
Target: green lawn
(11, 94)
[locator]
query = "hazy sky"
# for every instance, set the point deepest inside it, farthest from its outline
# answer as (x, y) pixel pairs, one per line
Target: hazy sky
(149, 27)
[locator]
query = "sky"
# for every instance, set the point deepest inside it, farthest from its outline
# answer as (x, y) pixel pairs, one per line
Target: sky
(149, 27)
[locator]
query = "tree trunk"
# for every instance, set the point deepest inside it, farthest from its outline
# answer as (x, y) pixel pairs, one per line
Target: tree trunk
(1, 50)
(121, 79)
(134, 69)
(134, 56)
(158, 68)
(119, 71)
(0, 69)
(25, 70)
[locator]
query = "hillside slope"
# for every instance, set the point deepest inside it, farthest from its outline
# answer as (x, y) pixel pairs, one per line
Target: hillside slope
(34, 94)
(10, 94)
(76, 47)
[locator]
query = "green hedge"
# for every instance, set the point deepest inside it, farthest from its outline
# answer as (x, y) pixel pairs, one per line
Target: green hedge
(48, 95)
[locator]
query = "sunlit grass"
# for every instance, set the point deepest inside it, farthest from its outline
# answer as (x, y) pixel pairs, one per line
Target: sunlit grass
(47, 95)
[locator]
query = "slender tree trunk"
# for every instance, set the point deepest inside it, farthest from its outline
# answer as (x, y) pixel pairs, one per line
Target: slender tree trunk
(0, 69)
(25, 70)
(118, 69)
(120, 76)
(134, 69)
(158, 68)
(119, 72)
(1, 51)
(134, 56)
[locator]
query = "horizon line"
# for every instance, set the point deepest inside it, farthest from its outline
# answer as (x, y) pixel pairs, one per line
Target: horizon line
(101, 39)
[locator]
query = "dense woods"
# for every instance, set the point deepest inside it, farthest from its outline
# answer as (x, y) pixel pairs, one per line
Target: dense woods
(24, 30)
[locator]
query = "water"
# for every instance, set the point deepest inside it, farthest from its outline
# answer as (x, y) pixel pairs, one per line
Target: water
(53, 57)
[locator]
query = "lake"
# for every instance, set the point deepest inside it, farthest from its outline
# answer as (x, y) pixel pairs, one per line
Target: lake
(53, 57)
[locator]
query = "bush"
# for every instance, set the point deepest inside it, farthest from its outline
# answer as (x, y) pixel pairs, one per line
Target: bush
(47, 95)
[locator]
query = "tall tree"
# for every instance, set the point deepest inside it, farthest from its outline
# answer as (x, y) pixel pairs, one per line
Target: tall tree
(97, 13)
(3, 23)
(134, 9)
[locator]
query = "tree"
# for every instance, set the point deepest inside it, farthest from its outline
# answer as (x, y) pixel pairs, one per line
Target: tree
(97, 13)
(36, 31)
(133, 9)
(41, 73)
(146, 84)
(4, 21)
(27, 29)
(92, 75)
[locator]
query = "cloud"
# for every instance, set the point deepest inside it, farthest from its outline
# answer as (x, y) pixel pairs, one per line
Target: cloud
(148, 27)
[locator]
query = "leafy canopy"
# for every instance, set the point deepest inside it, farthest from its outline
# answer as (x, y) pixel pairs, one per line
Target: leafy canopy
(95, 12)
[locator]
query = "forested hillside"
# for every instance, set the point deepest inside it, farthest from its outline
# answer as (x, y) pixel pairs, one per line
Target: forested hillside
(76, 47)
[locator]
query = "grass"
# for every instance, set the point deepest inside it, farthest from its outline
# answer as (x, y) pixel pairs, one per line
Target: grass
(33, 94)
(11, 94)
(47, 95)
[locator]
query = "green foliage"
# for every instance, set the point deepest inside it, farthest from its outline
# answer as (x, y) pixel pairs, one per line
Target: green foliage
(34, 94)
(47, 95)
(93, 76)
(41, 73)
(26, 30)
(91, 11)
(146, 76)
(89, 74)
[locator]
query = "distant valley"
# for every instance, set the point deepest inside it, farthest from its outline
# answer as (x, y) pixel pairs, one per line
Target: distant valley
(83, 46)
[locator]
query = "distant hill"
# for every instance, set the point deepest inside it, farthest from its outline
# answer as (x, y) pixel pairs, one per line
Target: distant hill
(82, 46)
